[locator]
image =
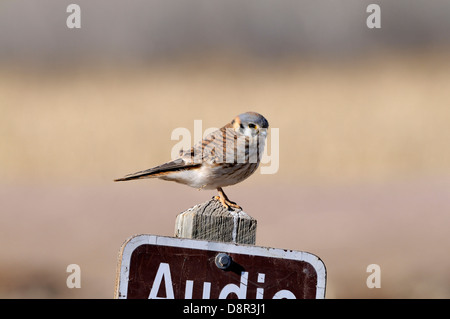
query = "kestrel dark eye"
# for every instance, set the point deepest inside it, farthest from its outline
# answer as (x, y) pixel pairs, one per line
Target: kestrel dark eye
(251, 125)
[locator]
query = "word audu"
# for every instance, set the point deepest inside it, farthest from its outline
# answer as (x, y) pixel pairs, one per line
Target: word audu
(228, 147)
(163, 275)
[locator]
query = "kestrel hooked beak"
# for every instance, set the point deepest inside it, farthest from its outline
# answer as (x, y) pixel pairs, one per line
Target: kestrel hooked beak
(225, 157)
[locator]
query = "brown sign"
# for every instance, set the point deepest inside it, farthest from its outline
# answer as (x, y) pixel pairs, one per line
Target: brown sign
(173, 268)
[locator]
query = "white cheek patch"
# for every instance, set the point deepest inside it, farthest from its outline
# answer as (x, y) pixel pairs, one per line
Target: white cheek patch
(248, 132)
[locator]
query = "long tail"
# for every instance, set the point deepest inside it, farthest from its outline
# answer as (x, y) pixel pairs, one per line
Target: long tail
(164, 169)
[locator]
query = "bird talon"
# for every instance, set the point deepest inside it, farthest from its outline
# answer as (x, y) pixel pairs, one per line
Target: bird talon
(227, 203)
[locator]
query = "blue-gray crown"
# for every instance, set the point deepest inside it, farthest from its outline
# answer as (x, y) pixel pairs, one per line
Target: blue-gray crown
(255, 118)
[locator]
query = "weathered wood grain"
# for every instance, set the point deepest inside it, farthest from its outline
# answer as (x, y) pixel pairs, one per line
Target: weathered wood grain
(211, 221)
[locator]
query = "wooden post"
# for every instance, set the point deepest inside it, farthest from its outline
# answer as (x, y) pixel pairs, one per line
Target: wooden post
(211, 221)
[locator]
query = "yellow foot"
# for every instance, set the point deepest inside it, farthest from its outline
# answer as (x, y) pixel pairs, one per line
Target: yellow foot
(227, 203)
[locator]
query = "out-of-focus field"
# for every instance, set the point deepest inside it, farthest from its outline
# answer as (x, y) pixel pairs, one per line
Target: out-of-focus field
(372, 119)
(364, 173)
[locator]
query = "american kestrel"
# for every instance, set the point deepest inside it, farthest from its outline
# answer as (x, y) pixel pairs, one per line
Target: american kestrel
(225, 157)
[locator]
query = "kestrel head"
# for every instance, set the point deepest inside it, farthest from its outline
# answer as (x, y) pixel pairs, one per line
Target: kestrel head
(250, 124)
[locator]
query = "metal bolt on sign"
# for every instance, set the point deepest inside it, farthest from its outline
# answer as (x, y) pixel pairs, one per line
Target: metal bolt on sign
(223, 261)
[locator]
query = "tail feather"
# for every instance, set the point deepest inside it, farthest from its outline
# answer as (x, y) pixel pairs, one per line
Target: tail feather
(158, 171)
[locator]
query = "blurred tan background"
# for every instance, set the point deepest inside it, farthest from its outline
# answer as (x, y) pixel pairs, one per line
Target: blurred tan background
(363, 116)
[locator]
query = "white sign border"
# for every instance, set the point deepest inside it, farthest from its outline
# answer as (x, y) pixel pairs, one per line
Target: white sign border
(135, 241)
